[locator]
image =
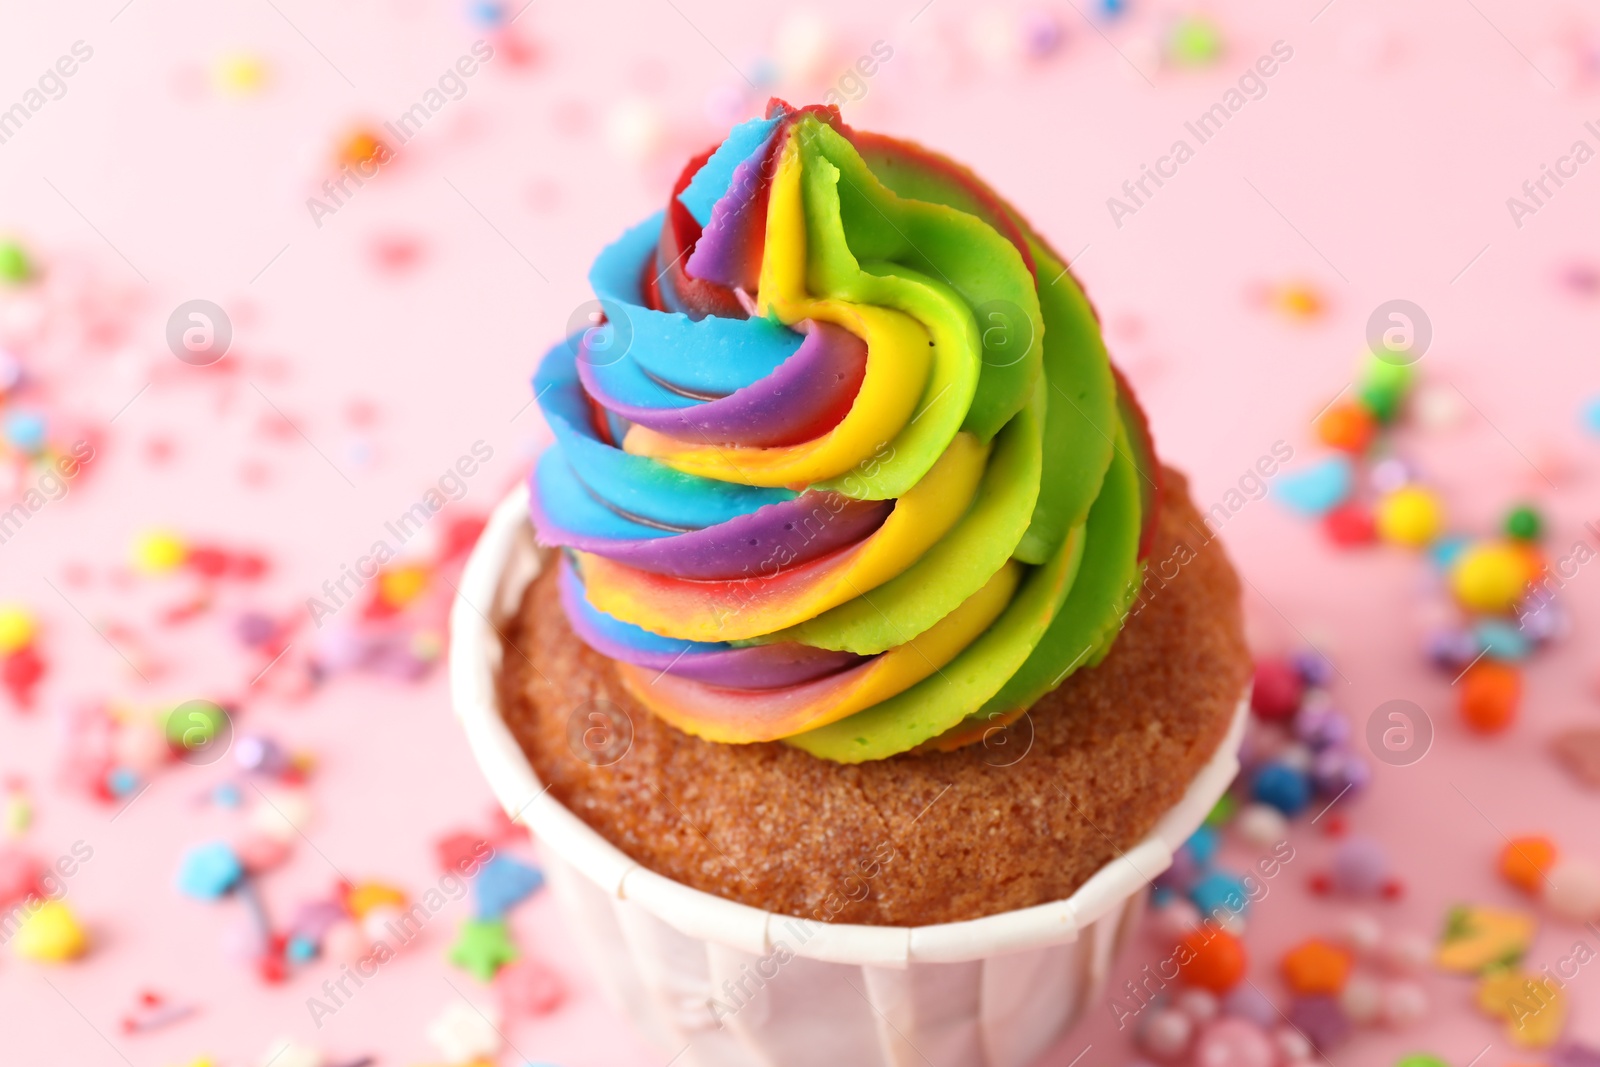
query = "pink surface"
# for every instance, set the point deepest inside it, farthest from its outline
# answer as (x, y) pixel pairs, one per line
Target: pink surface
(1376, 166)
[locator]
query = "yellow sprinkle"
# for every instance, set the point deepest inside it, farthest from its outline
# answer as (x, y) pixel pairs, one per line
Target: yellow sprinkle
(1411, 516)
(239, 74)
(19, 815)
(402, 585)
(16, 628)
(50, 934)
(1490, 576)
(1533, 1006)
(158, 551)
(364, 898)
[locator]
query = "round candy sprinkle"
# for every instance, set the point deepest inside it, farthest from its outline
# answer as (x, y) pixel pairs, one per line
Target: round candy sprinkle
(26, 430)
(20, 874)
(1247, 1002)
(1166, 1034)
(1489, 576)
(1212, 959)
(1313, 667)
(1321, 1020)
(399, 587)
(1219, 894)
(1347, 426)
(1525, 862)
(1292, 1045)
(240, 74)
(1042, 33)
(1524, 524)
(1176, 919)
(1320, 725)
(1349, 525)
(1194, 42)
(1573, 892)
(1591, 415)
(1410, 516)
(1405, 953)
(50, 934)
(1234, 1043)
(466, 1032)
(1388, 475)
(1362, 1000)
(209, 871)
(195, 725)
(1277, 690)
(1404, 1003)
(528, 987)
(15, 266)
(10, 371)
(261, 755)
(16, 628)
(487, 12)
(1316, 967)
(158, 552)
(1295, 756)
(1360, 867)
(1490, 695)
(1262, 825)
(1200, 1005)
(1452, 649)
(1282, 786)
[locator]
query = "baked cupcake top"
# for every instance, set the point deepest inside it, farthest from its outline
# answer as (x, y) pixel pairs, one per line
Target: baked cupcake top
(846, 465)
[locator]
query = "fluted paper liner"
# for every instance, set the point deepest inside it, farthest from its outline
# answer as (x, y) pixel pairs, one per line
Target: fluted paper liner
(720, 984)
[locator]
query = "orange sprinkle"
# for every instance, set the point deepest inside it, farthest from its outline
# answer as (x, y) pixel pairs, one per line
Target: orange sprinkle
(1525, 861)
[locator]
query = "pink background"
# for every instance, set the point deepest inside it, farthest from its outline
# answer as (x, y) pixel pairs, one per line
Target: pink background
(1380, 161)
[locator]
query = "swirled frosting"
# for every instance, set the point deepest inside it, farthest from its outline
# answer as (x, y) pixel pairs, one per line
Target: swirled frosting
(844, 462)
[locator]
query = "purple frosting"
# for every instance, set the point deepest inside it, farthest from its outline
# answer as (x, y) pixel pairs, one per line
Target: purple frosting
(786, 407)
(764, 542)
(759, 667)
(725, 252)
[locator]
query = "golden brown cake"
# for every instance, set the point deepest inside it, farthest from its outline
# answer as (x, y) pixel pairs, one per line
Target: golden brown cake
(1023, 818)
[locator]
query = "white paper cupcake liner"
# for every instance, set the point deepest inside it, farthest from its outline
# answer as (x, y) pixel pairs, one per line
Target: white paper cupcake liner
(719, 984)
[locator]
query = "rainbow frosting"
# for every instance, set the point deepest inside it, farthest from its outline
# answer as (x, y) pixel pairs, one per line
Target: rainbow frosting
(845, 464)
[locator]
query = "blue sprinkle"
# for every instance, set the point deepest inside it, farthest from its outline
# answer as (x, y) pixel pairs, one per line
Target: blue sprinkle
(503, 883)
(227, 795)
(1318, 488)
(1591, 415)
(209, 871)
(1283, 787)
(300, 949)
(121, 781)
(1113, 7)
(1446, 550)
(1502, 640)
(25, 430)
(1220, 894)
(488, 12)
(1202, 845)
(764, 72)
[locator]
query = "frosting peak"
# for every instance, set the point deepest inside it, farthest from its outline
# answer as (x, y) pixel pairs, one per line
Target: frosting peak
(840, 469)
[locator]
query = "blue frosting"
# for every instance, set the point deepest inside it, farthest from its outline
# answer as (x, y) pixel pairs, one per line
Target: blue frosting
(712, 180)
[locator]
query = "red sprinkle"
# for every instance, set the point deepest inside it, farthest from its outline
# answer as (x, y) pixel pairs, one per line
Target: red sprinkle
(1350, 525)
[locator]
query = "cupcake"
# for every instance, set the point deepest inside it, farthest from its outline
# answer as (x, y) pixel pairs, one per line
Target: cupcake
(861, 663)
